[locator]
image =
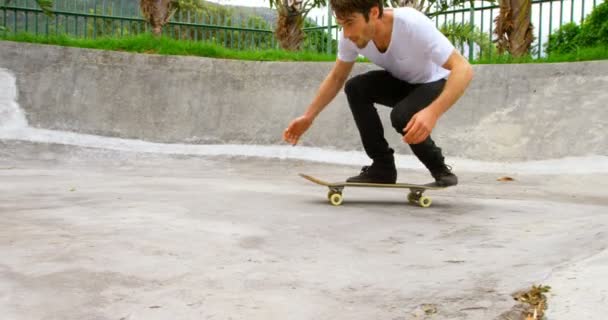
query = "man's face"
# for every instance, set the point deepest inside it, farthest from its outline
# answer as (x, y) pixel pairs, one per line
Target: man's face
(359, 31)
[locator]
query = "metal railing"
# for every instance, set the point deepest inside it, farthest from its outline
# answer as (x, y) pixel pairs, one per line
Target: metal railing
(117, 18)
(91, 19)
(546, 17)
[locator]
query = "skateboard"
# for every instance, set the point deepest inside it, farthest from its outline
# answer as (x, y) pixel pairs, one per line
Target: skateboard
(414, 197)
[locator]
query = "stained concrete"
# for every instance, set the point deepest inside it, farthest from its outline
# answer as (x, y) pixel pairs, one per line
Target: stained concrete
(97, 227)
(97, 234)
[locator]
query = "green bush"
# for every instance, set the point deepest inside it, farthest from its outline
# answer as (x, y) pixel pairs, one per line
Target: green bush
(565, 39)
(593, 32)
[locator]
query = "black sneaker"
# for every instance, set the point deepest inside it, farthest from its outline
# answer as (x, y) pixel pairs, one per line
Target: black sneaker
(444, 176)
(376, 174)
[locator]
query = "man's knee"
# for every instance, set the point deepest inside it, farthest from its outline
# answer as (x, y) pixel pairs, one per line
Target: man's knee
(400, 118)
(353, 85)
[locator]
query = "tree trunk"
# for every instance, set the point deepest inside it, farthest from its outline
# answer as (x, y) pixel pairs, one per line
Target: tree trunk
(514, 27)
(289, 31)
(157, 13)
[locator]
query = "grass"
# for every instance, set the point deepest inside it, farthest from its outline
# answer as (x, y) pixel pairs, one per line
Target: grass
(146, 43)
(583, 54)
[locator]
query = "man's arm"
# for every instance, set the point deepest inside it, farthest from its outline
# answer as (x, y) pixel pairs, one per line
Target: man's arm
(327, 92)
(329, 88)
(458, 81)
(423, 122)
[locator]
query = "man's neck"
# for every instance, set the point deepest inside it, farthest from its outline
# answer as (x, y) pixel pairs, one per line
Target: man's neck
(384, 29)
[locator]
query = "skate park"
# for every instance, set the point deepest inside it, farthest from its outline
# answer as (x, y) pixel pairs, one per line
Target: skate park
(138, 186)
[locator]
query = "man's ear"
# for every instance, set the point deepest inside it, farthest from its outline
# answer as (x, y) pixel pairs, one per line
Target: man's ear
(374, 12)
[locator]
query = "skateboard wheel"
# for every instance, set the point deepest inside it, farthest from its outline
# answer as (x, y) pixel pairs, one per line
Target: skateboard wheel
(425, 202)
(335, 199)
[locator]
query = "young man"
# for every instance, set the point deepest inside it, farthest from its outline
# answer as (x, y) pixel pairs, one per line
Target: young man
(422, 77)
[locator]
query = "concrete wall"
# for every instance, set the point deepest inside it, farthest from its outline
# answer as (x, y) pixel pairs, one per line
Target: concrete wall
(511, 112)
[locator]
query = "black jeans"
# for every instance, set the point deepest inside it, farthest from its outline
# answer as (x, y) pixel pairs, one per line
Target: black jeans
(379, 86)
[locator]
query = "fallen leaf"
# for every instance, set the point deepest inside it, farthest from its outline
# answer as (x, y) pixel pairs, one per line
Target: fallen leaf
(536, 300)
(429, 308)
(505, 178)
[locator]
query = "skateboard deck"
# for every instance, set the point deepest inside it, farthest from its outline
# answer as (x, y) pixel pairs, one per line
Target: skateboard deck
(415, 196)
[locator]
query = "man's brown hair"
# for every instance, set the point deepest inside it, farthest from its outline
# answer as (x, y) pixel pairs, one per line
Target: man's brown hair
(344, 8)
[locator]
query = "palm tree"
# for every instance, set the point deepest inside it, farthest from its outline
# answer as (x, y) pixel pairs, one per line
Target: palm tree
(157, 13)
(290, 22)
(514, 27)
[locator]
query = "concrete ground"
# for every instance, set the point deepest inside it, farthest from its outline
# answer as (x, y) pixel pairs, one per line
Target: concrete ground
(97, 234)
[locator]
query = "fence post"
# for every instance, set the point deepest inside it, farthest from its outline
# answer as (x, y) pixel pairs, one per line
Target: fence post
(328, 29)
(472, 21)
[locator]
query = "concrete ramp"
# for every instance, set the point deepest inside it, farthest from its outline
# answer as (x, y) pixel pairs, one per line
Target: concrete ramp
(114, 206)
(511, 112)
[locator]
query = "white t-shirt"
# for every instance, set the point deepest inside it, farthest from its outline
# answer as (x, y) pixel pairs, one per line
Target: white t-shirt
(415, 54)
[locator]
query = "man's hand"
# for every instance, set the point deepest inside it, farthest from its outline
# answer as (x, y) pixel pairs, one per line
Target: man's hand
(328, 90)
(420, 126)
(296, 128)
(423, 122)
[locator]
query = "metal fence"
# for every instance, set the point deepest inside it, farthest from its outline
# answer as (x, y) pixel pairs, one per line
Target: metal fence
(546, 15)
(116, 18)
(92, 19)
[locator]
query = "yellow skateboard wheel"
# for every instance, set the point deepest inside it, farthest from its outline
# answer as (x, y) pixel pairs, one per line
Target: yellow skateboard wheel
(335, 199)
(425, 202)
